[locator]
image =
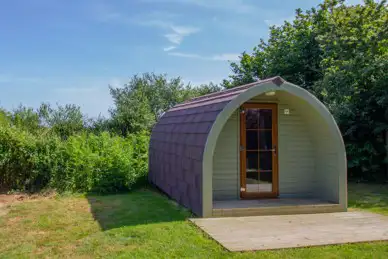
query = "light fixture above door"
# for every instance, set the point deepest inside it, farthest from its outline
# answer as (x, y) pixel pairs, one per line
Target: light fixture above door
(272, 93)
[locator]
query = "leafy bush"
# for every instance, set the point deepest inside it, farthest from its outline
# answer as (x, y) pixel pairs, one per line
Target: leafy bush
(101, 163)
(25, 160)
(82, 163)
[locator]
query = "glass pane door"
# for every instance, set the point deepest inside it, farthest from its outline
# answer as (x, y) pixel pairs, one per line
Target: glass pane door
(258, 150)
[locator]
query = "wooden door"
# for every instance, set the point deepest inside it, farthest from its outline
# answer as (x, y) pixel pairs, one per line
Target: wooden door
(258, 151)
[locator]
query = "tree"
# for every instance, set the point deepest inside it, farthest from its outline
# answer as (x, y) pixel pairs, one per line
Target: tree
(340, 53)
(132, 112)
(354, 83)
(99, 124)
(25, 118)
(143, 99)
(204, 89)
(63, 120)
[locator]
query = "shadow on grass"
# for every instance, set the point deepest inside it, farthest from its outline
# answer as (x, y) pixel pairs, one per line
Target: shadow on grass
(141, 206)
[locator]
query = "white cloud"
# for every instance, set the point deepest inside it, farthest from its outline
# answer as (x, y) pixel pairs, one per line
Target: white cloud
(174, 38)
(163, 20)
(179, 32)
(184, 30)
(169, 48)
(176, 33)
(220, 57)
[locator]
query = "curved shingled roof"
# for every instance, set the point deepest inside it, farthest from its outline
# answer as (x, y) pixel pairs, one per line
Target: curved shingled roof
(178, 141)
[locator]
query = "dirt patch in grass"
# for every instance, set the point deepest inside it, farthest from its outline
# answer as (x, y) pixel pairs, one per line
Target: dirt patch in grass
(11, 198)
(7, 200)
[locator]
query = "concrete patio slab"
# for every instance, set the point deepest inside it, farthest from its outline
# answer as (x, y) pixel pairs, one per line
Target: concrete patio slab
(287, 231)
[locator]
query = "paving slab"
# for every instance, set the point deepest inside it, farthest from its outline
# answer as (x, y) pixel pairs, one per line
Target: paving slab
(288, 231)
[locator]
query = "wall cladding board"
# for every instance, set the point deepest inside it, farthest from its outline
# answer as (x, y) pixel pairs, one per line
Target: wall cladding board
(226, 161)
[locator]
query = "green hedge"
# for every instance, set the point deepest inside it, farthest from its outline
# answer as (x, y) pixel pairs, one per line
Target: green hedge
(83, 163)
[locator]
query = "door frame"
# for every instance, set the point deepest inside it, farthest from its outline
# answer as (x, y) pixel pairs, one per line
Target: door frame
(275, 153)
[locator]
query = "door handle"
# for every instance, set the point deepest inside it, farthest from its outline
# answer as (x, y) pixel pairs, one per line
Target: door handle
(274, 150)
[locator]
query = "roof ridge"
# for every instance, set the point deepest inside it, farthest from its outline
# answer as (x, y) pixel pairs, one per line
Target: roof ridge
(222, 91)
(227, 91)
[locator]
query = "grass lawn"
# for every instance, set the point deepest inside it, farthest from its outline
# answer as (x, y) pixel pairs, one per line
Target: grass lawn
(144, 224)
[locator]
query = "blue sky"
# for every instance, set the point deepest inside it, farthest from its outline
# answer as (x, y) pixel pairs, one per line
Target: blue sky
(69, 51)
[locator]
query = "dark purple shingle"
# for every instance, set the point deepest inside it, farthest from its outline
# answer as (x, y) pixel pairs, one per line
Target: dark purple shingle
(178, 141)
